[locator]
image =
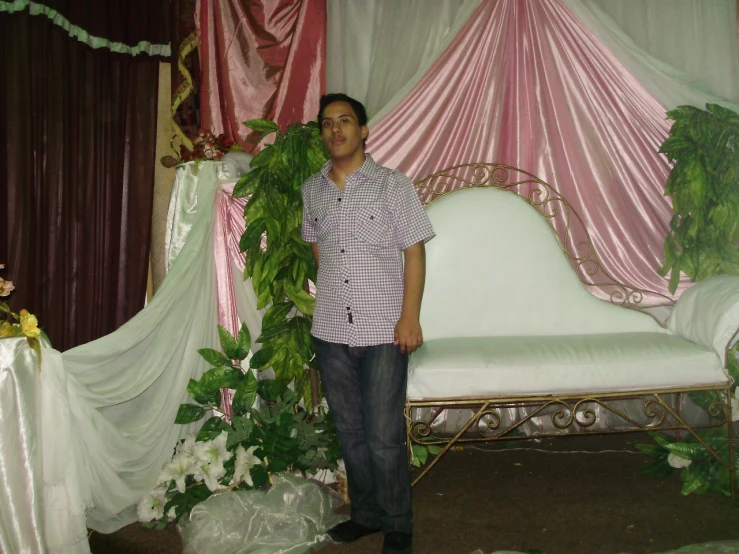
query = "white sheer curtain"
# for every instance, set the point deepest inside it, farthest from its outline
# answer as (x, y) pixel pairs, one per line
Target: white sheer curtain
(377, 50)
(671, 86)
(696, 36)
(682, 52)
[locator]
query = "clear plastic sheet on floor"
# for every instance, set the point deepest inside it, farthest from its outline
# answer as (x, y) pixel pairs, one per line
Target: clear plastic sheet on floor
(290, 517)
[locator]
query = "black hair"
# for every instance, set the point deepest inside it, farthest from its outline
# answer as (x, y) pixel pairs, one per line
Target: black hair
(356, 105)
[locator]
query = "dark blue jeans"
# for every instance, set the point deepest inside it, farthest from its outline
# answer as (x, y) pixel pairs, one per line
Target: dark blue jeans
(365, 388)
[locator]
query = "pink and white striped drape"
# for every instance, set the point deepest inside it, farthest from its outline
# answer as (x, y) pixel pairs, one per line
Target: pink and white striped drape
(526, 84)
(228, 227)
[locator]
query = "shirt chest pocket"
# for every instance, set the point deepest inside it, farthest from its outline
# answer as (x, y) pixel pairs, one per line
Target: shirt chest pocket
(323, 221)
(372, 226)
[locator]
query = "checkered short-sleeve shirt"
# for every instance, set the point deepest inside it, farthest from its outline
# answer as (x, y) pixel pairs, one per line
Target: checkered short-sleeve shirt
(361, 233)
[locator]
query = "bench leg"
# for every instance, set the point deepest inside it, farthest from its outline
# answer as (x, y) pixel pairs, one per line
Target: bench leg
(448, 445)
(730, 466)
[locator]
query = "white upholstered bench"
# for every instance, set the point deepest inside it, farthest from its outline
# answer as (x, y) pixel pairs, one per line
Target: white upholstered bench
(512, 336)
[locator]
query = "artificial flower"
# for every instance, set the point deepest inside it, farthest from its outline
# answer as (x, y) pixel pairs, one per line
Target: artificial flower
(6, 287)
(29, 325)
(177, 469)
(211, 455)
(213, 451)
(210, 474)
(245, 460)
(151, 506)
(676, 461)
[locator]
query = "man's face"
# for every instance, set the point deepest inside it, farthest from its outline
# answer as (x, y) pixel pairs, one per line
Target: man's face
(341, 132)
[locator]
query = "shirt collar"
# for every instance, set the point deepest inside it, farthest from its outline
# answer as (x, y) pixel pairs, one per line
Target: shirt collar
(369, 168)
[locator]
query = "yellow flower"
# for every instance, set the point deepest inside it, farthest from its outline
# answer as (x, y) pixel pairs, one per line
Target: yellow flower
(29, 325)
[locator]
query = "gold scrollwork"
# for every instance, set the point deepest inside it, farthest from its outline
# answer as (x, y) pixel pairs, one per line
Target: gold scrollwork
(568, 226)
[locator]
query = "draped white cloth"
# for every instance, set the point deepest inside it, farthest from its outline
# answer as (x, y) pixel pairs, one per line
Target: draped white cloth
(377, 50)
(87, 435)
(682, 52)
(673, 85)
(695, 36)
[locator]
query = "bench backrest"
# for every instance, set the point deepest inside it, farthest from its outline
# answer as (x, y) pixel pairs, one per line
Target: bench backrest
(496, 268)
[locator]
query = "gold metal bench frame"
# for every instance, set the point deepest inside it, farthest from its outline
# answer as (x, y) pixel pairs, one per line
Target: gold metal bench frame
(570, 414)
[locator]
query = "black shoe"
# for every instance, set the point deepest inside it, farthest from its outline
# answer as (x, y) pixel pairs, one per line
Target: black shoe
(397, 543)
(350, 531)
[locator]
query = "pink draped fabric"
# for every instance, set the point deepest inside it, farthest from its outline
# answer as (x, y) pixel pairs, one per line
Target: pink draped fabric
(229, 225)
(260, 59)
(526, 84)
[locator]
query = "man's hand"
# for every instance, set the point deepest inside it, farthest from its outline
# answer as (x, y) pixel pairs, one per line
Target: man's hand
(408, 334)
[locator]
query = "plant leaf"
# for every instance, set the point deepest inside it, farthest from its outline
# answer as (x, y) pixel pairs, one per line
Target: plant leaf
(304, 301)
(213, 357)
(271, 389)
(203, 396)
(212, 429)
(253, 234)
(188, 413)
(421, 453)
(261, 359)
(231, 346)
(276, 314)
(245, 394)
(244, 340)
(264, 126)
(241, 430)
(221, 377)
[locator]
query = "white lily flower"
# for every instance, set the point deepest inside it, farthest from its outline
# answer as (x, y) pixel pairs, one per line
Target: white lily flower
(171, 514)
(188, 446)
(245, 460)
(178, 468)
(210, 474)
(677, 462)
(213, 451)
(151, 506)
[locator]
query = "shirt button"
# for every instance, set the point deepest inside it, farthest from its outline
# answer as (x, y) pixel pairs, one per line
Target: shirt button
(342, 250)
(339, 199)
(316, 219)
(346, 280)
(372, 217)
(348, 308)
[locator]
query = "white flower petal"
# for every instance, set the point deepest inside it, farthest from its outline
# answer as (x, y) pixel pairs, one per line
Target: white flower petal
(677, 462)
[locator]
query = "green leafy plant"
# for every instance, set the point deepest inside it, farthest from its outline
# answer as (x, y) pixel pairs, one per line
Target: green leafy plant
(242, 452)
(703, 241)
(278, 261)
(704, 185)
(700, 471)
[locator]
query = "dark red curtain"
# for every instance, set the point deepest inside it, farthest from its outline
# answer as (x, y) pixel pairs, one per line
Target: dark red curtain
(77, 155)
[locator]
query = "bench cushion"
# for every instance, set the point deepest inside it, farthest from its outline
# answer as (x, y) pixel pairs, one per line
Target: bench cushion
(543, 365)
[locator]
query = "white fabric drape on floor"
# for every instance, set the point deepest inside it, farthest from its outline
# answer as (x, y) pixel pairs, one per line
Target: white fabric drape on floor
(125, 388)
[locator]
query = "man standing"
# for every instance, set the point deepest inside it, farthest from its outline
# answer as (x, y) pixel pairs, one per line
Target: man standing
(359, 218)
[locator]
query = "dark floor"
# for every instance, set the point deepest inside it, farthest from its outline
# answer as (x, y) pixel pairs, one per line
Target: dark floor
(560, 501)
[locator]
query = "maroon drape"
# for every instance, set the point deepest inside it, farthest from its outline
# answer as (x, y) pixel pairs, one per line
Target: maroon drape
(77, 155)
(260, 59)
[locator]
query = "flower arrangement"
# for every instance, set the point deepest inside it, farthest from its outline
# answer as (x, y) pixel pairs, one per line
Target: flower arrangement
(21, 324)
(206, 147)
(241, 452)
